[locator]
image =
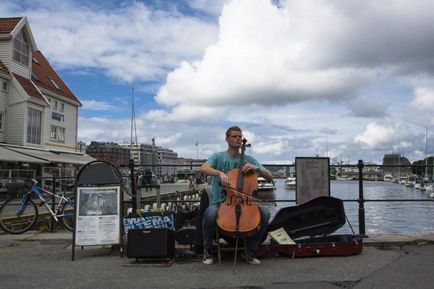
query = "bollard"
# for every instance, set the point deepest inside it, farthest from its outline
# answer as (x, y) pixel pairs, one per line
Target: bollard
(361, 201)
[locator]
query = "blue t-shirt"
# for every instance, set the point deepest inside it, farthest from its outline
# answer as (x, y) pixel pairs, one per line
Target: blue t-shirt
(223, 162)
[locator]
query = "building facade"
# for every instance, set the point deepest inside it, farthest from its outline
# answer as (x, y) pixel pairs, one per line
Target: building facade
(38, 111)
(110, 152)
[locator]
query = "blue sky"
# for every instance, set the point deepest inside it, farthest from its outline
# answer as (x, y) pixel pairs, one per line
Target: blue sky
(347, 79)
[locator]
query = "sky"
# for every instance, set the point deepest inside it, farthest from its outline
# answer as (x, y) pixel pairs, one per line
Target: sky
(347, 79)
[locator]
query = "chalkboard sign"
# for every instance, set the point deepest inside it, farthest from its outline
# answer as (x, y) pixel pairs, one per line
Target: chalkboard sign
(313, 178)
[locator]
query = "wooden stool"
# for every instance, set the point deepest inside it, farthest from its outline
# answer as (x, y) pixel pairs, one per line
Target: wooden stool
(220, 249)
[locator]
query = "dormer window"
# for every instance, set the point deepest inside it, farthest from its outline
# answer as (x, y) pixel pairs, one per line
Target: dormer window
(54, 83)
(35, 60)
(34, 77)
(21, 49)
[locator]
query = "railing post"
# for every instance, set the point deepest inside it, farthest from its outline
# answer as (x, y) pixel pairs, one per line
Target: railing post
(133, 187)
(361, 201)
(53, 203)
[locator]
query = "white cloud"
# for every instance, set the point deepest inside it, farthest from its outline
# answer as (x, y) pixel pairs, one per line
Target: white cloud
(97, 105)
(130, 43)
(260, 58)
(423, 99)
(305, 50)
(376, 136)
(186, 113)
(270, 148)
(168, 140)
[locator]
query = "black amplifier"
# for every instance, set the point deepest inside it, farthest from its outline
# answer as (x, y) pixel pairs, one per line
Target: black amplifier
(151, 243)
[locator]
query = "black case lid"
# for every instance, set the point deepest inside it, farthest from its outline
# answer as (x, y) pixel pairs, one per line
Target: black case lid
(320, 216)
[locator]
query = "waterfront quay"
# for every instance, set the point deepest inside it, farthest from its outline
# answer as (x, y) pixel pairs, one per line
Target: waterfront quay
(43, 260)
(38, 259)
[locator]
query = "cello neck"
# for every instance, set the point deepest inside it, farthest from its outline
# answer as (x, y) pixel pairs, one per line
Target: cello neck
(240, 178)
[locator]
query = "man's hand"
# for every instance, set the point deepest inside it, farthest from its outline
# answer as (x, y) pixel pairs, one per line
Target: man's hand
(224, 179)
(249, 167)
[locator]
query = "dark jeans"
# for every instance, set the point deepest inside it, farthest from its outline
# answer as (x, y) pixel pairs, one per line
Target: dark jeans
(209, 225)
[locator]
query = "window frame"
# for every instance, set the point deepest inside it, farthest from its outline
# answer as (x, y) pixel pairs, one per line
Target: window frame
(21, 49)
(34, 131)
(57, 133)
(2, 120)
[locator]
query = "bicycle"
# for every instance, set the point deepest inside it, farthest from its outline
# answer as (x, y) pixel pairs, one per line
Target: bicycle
(18, 215)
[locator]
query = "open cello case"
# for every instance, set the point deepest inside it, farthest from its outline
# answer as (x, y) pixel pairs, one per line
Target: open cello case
(310, 226)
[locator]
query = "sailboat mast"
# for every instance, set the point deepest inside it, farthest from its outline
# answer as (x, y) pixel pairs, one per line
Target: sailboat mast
(426, 153)
(133, 120)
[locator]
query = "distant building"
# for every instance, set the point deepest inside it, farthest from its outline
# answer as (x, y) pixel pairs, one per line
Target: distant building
(166, 160)
(142, 154)
(396, 165)
(110, 152)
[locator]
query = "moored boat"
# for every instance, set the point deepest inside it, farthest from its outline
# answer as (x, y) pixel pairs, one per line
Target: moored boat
(290, 183)
(387, 178)
(263, 184)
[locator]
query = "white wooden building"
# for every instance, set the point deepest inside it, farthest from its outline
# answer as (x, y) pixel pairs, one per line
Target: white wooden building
(38, 112)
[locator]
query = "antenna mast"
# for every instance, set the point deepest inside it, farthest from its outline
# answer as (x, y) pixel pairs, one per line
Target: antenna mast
(133, 120)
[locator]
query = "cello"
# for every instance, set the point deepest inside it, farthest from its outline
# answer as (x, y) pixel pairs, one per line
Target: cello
(238, 215)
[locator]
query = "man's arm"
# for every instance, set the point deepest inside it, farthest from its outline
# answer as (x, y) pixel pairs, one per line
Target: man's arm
(265, 173)
(259, 169)
(210, 171)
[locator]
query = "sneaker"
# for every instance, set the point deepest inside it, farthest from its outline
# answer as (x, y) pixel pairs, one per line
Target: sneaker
(207, 257)
(251, 258)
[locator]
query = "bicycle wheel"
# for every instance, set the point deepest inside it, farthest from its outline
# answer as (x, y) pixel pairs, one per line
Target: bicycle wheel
(67, 213)
(18, 215)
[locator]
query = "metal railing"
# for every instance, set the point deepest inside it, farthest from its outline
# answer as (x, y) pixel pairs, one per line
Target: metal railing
(360, 170)
(361, 167)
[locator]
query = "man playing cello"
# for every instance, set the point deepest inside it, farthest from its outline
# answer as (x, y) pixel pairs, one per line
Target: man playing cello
(217, 166)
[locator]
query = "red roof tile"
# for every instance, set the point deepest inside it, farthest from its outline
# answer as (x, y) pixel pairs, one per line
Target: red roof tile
(8, 24)
(3, 67)
(46, 75)
(29, 87)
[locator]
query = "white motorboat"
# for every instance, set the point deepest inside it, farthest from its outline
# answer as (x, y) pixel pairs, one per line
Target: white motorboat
(290, 183)
(263, 184)
(387, 178)
(410, 181)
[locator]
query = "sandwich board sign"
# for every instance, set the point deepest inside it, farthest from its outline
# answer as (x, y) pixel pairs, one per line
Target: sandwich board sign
(313, 178)
(98, 205)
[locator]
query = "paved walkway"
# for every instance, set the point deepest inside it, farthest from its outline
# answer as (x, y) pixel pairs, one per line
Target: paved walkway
(43, 260)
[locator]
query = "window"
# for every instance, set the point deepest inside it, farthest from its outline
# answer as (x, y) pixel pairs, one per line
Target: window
(2, 117)
(54, 83)
(34, 77)
(57, 133)
(21, 49)
(5, 86)
(61, 134)
(62, 106)
(53, 132)
(34, 126)
(55, 104)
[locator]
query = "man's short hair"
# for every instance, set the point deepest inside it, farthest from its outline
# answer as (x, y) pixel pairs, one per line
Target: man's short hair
(233, 128)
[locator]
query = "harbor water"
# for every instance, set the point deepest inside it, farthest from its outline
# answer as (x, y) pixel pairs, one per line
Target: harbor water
(380, 217)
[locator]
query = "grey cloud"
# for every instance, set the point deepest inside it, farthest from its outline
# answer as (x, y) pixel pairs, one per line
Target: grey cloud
(369, 108)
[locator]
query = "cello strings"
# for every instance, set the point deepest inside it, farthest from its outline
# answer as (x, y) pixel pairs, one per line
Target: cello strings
(244, 194)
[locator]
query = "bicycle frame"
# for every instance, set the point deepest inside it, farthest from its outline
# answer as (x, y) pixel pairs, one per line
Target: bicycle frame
(38, 192)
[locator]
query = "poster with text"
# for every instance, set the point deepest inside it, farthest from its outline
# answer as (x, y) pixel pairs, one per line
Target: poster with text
(313, 178)
(98, 216)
